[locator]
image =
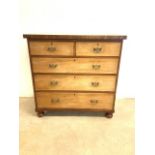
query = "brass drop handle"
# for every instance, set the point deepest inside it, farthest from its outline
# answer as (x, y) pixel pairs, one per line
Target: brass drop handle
(54, 83)
(53, 65)
(51, 49)
(95, 84)
(56, 100)
(96, 66)
(97, 49)
(94, 101)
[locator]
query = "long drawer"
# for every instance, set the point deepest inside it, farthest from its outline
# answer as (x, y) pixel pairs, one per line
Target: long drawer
(75, 82)
(51, 48)
(75, 65)
(98, 48)
(75, 100)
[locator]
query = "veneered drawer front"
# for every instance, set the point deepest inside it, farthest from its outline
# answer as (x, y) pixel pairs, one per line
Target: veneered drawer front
(77, 65)
(75, 82)
(98, 48)
(51, 48)
(75, 100)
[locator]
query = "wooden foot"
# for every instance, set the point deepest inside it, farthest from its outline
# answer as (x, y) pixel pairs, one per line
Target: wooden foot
(40, 113)
(109, 115)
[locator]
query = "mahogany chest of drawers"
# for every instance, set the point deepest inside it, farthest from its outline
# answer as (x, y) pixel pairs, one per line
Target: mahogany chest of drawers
(73, 72)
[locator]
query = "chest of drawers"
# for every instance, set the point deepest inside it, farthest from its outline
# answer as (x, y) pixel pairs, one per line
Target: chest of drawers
(73, 72)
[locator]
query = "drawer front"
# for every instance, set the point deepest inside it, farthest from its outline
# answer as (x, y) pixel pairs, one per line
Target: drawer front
(51, 48)
(72, 82)
(78, 65)
(75, 100)
(98, 48)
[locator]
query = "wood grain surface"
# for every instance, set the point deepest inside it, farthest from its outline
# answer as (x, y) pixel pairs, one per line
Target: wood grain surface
(74, 82)
(106, 48)
(45, 48)
(75, 100)
(75, 37)
(75, 65)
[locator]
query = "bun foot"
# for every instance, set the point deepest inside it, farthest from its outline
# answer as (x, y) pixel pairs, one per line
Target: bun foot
(40, 113)
(108, 115)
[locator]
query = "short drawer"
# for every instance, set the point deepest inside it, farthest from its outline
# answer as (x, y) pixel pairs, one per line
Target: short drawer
(98, 48)
(77, 65)
(51, 48)
(75, 82)
(100, 101)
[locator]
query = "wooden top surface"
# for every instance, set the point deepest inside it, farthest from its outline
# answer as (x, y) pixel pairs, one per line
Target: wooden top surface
(76, 37)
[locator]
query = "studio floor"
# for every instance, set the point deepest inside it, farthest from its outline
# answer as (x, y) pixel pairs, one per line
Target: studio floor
(77, 135)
